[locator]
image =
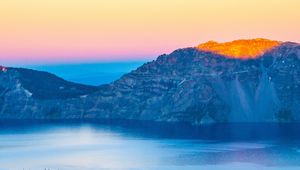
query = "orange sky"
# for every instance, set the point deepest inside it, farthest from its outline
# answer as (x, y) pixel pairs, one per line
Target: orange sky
(104, 30)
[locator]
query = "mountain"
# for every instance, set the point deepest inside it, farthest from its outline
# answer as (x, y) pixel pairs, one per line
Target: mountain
(23, 91)
(241, 81)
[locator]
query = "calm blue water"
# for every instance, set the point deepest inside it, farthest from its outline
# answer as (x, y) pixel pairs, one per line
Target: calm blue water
(92, 74)
(147, 146)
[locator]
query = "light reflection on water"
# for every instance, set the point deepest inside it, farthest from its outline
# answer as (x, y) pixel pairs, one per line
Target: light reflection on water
(79, 146)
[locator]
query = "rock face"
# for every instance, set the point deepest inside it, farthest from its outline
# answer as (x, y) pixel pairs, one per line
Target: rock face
(188, 85)
(240, 49)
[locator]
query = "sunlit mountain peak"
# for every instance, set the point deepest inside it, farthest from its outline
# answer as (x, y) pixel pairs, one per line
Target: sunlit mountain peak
(242, 49)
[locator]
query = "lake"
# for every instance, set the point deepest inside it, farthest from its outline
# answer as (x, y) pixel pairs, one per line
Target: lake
(121, 145)
(91, 74)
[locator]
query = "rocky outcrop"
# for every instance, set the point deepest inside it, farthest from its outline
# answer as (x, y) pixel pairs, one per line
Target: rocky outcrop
(188, 85)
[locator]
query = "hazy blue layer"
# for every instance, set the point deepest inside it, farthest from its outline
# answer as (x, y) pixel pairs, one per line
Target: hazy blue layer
(92, 74)
(148, 147)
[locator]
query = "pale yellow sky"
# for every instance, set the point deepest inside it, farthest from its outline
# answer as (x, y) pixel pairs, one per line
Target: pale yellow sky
(135, 29)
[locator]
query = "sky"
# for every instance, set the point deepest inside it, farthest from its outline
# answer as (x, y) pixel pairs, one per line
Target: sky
(77, 31)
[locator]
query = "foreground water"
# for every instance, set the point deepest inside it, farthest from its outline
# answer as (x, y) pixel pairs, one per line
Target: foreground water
(147, 146)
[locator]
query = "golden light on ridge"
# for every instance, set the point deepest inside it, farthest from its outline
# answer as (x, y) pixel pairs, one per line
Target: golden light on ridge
(242, 49)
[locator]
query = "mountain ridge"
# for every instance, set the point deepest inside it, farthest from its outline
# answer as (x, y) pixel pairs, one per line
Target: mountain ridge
(241, 49)
(187, 85)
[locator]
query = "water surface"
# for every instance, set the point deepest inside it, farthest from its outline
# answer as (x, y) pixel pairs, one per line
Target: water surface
(91, 74)
(147, 146)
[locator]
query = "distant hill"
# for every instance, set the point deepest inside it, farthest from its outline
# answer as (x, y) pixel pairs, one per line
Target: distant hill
(41, 85)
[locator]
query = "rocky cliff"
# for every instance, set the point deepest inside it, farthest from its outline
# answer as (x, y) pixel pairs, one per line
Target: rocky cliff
(189, 85)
